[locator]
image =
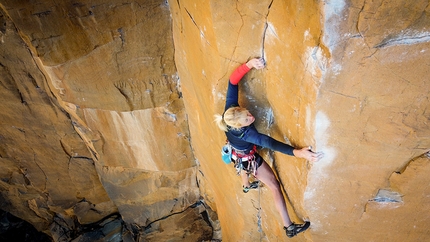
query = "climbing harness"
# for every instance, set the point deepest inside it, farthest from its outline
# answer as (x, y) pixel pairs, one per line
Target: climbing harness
(241, 156)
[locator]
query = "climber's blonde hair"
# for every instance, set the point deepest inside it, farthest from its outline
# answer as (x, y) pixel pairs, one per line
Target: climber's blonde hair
(233, 117)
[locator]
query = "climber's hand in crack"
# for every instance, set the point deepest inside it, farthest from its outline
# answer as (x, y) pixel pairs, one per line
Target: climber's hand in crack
(257, 63)
(308, 154)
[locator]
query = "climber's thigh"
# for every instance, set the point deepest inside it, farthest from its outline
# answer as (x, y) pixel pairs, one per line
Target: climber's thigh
(265, 174)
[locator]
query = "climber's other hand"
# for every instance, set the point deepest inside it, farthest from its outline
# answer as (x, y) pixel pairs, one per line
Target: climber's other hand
(257, 63)
(308, 154)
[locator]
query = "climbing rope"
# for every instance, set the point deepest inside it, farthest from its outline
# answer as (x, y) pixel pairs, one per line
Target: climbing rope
(260, 229)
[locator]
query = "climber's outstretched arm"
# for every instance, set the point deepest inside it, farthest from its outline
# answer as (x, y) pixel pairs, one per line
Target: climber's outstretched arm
(238, 73)
(233, 89)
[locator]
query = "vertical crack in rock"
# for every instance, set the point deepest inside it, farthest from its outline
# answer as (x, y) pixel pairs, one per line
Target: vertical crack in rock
(63, 146)
(270, 118)
(121, 36)
(191, 17)
(83, 132)
(150, 92)
(2, 24)
(44, 174)
(202, 34)
(181, 26)
(357, 25)
(360, 32)
(266, 25)
(238, 32)
(359, 16)
(13, 85)
(316, 60)
(33, 80)
(264, 39)
(121, 87)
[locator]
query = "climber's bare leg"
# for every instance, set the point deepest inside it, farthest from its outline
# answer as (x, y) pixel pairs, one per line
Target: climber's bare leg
(266, 175)
(245, 180)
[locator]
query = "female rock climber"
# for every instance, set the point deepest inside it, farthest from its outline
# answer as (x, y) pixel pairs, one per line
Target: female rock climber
(237, 123)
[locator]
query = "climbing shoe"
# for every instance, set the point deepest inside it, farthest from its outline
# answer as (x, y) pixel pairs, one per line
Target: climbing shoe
(294, 229)
(253, 185)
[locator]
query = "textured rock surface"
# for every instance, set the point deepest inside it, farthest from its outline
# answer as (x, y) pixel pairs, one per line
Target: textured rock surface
(348, 78)
(16, 229)
(107, 108)
(46, 168)
(93, 121)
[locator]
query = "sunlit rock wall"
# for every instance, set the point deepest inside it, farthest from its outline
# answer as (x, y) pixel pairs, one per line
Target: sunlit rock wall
(107, 108)
(372, 118)
(350, 78)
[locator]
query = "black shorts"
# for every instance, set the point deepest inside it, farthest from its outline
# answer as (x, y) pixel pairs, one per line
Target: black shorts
(258, 159)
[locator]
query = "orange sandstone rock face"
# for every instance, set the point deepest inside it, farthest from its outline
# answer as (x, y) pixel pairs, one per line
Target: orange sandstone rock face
(107, 107)
(344, 77)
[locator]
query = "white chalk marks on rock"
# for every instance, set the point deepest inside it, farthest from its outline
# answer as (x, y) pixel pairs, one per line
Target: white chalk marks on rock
(387, 196)
(405, 38)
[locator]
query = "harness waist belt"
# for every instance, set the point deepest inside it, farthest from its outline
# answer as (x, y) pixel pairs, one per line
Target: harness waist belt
(246, 158)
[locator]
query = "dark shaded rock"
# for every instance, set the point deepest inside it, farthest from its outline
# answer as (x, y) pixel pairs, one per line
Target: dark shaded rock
(15, 229)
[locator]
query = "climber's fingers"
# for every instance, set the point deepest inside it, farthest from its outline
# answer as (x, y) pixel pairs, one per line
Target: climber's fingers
(312, 156)
(257, 63)
(316, 156)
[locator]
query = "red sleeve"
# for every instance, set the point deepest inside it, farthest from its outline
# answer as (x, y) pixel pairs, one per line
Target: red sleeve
(238, 74)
